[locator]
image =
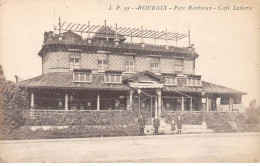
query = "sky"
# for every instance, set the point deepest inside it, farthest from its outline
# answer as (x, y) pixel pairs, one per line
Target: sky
(228, 42)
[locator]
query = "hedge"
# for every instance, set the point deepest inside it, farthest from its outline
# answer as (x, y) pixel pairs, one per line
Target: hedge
(248, 121)
(72, 132)
(84, 118)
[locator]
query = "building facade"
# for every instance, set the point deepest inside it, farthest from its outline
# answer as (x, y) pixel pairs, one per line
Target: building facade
(106, 73)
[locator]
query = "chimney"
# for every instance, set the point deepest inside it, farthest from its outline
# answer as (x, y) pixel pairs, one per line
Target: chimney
(51, 36)
(89, 40)
(116, 41)
(16, 78)
(191, 47)
(60, 37)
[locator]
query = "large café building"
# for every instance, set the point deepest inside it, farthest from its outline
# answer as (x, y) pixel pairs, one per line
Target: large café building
(103, 72)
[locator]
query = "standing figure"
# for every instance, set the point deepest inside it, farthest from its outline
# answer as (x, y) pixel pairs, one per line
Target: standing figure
(179, 124)
(156, 124)
(172, 126)
(141, 123)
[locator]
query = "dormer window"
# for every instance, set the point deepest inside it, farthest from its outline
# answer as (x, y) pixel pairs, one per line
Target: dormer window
(194, 82)
(79, 76)
(178, 66)
(170, 80)
(113, 77)
(155, 65)
(74, 63)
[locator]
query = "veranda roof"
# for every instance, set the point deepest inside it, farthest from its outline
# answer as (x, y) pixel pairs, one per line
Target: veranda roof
(64, 80)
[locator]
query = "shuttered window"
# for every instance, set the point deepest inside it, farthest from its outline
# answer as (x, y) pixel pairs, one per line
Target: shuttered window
(102, 64)
(74, 63)
(178, 66)
(155, 65)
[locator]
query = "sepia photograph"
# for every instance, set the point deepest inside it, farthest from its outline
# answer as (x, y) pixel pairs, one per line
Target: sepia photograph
(128, 81)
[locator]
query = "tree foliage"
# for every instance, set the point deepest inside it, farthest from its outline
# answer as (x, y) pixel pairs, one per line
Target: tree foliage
(13, 104)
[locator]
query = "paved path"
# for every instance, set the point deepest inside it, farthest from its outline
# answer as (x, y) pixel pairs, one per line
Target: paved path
(215, 147)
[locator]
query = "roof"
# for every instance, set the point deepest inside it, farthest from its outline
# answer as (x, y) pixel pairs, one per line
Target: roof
(64, 80)
(125, 47)
(207, 86)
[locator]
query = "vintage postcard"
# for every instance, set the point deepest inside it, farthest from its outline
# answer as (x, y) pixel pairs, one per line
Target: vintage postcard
(129, 81)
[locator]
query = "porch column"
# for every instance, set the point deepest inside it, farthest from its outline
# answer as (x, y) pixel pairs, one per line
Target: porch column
(139, 101)
(32, 105)
(159, 93)
(191, 104)
(131, 98)
(155, 107)
(32, 100)
(66, 102)
(182, 104)
(230, 103)
(98, 103)
(207, 104)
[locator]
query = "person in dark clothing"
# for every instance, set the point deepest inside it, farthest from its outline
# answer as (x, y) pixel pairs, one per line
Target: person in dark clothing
(156, 124)
(141, 123)
(172, 126)
(179, 124)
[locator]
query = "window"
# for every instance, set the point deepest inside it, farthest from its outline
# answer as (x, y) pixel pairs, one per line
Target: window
(82, 77)
(237, 99)
(74, 63)
(169, 80)
(224, 100)
(155, 65)
(194, 82)
(129, 65)
(189, 81)
(178, 66)
(102, 64)
(198, 82)
(113, 78)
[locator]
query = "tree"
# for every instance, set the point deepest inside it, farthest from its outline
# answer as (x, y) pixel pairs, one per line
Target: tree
(252, 103)
(14, 104)
(252, 114)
